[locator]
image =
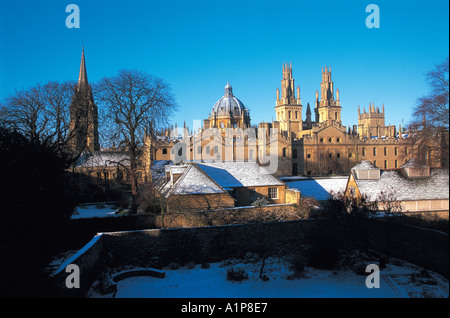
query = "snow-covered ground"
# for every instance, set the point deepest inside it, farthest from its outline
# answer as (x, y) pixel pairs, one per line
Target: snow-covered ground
(398, 280)
(93, 210)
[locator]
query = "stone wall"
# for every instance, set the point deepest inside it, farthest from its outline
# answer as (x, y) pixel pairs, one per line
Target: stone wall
(89, 260)
(238, 215)
(160, 247)
(155, 248)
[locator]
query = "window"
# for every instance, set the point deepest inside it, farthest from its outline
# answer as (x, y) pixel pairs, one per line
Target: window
(164, 151)
(252, 195)
(338, 140)
(321, 139)
(338, 155)
(350, 155)
(330, 139)
(289, 114)
(396, 163)
(385, 151)
(396, 151)
(364, 151)
(375, 163)
(296, 115)
(385, 164)
(273, 193)
(330, 155)
(374, 151)
(308, 156)
(406, 151)
(284, 152)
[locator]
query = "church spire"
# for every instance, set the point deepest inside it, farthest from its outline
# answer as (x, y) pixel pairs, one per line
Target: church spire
(82, 78)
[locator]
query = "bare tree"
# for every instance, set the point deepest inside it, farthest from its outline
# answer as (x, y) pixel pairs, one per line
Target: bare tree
(133, 103)
(41, 113)
(431, 117)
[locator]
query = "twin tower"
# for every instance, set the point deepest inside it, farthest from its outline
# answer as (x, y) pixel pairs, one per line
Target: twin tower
(289, 106)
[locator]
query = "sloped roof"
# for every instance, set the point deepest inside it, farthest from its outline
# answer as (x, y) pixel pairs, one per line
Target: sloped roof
(434, 187)
(192, 181)
(320, 189)
(239, 174)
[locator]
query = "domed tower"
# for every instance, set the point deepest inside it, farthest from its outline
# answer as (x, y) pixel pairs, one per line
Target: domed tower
(228, 112)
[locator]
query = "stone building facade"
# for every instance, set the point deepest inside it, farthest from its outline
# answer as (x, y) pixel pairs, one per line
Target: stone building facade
(300, 146)
(310, 147)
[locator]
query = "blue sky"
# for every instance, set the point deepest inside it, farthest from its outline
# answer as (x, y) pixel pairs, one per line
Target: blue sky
(197, 46)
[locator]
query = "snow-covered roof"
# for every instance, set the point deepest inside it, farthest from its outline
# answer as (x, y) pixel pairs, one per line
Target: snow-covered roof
(103, 159)
(434, 187)
(192, 181)
(239, 174)
(319, 188)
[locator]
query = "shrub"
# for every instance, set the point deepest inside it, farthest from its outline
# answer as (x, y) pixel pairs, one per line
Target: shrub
(236, 274)
(297, 265)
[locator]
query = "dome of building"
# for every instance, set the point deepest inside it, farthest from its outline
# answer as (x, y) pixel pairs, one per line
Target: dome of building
(228, 105)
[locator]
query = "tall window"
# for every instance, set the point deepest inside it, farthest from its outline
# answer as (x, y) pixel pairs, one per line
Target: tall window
(284, 152)
(374, 151)
(364, 151)
(385, 151)
(273, 193)
(396, 151)
(385, 164)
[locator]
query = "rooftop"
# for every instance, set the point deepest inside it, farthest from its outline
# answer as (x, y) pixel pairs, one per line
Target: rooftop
(239, 174)
(434, 187)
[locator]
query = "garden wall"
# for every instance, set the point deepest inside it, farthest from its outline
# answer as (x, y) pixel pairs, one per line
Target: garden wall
(159, 247)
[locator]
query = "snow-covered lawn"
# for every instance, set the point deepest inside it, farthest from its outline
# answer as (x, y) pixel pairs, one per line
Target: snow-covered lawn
(92, 210)
(398, 279)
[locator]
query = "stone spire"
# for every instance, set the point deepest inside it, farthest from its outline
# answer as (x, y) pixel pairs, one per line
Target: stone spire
(82, 77)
